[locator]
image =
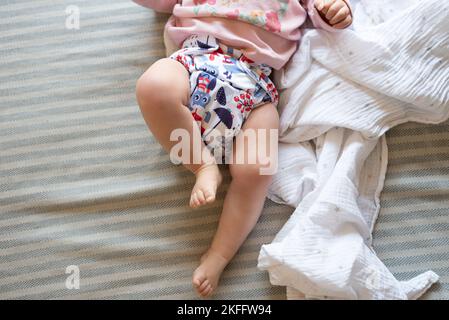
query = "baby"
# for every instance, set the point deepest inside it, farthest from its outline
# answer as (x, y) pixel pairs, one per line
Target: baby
(217, 88)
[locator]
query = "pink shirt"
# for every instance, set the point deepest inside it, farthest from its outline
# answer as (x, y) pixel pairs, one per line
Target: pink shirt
(267, 31)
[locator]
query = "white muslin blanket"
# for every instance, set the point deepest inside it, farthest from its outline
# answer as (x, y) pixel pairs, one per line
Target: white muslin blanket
(340, 94)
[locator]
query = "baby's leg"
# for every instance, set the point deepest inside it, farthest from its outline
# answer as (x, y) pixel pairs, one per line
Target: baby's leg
(163, 92)
(242, 207)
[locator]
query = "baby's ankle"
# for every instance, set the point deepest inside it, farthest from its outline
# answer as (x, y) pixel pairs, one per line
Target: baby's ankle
(218, 254)
(205, 167)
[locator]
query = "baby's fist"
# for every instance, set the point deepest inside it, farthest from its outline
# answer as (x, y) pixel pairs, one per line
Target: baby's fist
(335, 12)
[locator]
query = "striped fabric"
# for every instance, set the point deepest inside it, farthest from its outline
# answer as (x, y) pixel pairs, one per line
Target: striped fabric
(412, 232)
(83, 183)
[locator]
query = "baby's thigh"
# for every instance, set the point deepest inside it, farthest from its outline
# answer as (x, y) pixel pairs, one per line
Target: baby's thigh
(262, 117)
(255, 146)
(166, 79)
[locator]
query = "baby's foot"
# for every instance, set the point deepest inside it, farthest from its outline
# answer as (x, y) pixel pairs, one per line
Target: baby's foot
(206, 276)
(208, 178)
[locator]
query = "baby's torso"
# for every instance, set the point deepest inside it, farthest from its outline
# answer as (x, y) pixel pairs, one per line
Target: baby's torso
(266, 31)
(267, 14)
(271, 15)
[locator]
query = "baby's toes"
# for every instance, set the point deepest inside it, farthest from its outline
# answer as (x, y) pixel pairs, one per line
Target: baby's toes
(209, 196)
(201, 198)
(199, 280)
(191, 200)
(208, 292)
(203, 289)
(194, 203)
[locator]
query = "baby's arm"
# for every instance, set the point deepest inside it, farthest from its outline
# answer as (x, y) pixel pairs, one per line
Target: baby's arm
(329, 14)
(158, 5)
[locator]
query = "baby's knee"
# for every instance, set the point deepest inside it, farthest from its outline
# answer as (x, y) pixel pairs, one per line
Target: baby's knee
(155, 88)
(250, 173)
(152, 90)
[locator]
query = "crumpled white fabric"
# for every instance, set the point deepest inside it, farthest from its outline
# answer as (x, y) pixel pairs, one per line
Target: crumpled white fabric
(341, 93)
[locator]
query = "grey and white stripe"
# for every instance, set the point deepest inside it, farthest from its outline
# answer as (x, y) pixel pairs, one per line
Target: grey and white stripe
(412, 232)
(82, 182)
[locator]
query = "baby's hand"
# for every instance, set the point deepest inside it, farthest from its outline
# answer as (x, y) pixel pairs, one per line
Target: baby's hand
(335, 12)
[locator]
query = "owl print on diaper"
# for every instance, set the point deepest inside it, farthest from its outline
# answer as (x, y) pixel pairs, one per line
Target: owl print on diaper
(225, 87)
